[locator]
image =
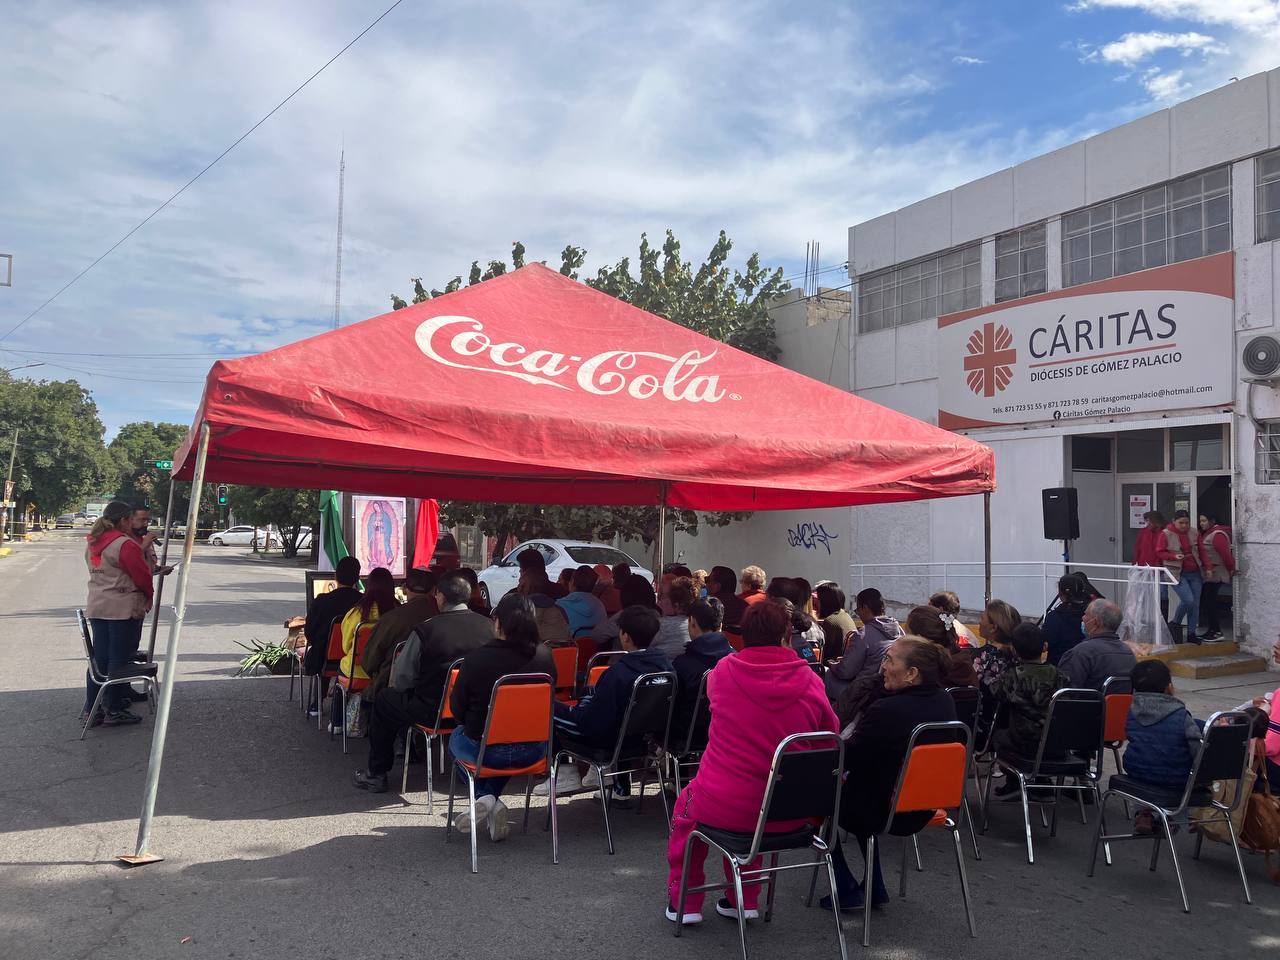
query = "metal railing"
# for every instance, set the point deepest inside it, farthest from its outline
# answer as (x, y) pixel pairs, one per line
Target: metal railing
(967, 578)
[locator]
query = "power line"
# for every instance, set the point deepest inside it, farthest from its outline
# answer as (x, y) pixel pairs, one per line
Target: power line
(142, 356)
(67, 286)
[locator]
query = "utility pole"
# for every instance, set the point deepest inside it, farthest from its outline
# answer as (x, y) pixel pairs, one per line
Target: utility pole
(8, 489)
(337, 272)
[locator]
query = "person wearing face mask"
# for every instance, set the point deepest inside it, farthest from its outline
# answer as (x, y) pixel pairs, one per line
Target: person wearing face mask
(1181, 550)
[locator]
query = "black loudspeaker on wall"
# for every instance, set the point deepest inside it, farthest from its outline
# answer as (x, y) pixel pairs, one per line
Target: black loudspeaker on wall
(1061, 513)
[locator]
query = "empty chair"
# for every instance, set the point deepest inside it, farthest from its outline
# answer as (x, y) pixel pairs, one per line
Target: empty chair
(1118, 694)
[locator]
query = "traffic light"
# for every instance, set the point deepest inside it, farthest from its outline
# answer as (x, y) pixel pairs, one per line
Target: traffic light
(222, 494)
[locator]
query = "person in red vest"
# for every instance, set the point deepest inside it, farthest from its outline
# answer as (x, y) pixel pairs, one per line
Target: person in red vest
(1219, 568)
(1181, 551)
(1146, 554)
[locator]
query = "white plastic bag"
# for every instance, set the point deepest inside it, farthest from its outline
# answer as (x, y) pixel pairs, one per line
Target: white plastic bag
(1144, 628)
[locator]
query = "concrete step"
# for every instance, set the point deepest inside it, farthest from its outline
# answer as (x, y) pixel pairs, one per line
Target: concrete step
(1225, 665)
(1192, 651)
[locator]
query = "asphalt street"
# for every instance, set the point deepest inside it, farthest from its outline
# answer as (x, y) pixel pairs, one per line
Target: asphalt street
(270, 852)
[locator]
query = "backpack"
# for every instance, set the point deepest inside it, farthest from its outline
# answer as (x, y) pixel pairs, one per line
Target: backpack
(405, 669)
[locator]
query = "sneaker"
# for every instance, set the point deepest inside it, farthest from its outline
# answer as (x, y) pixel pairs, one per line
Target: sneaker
(1213, 638)
(313, 711)
(727, 909)
(618, 797)
(97, 718)
(374, 783)
(498, 825)
(688, 917)
(484, 806)
(591, 779)
(568, 780)
(120, 718)
(847, 904)
(137, 697)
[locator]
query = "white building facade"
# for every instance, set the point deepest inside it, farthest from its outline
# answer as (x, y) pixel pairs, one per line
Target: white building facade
(1088, 314)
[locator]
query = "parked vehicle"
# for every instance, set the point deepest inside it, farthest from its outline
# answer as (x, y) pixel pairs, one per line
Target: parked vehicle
(497, 580)
(243, 536)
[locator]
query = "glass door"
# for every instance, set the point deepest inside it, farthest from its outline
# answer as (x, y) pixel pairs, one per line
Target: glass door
(1139, 496)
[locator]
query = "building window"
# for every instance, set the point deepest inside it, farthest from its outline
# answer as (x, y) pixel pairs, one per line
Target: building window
(1091, 453)
(1268, 459)
(1020, 263)
(1267, 202)
(1182, 220)
(1195, 448)
(924, 290)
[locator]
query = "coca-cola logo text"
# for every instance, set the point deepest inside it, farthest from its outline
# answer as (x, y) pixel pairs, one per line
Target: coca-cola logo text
(461, 342)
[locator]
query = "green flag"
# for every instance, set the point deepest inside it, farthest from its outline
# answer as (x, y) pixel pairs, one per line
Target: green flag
(335, 548)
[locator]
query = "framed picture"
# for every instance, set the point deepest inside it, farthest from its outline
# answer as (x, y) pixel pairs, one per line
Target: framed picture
(379, 533)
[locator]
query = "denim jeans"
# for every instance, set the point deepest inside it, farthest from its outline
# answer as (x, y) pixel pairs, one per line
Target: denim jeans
(509, 755)
(114, 643)
(1188, 590)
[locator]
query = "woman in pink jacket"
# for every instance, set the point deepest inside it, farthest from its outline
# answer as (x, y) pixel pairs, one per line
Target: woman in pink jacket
(758, 696)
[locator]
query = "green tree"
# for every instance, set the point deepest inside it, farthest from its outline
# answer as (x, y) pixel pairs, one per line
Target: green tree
(288, 510)
(135, 444)
(727, 304)
(61, 459)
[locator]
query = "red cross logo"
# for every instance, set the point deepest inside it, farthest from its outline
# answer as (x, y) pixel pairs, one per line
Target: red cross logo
(989, 363)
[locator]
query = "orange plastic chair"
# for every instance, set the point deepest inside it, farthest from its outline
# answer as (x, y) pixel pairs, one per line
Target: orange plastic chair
(566, 661)
(1117, 693)
(597, 665)
(345, 686)
(332, 657)
(444, 725)
(520, 711)
(932, 779)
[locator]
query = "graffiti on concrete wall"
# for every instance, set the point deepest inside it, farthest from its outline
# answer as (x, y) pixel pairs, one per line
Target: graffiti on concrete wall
(811, 536)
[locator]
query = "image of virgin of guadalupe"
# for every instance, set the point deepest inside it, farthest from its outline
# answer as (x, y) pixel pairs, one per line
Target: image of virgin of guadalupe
(379, 534)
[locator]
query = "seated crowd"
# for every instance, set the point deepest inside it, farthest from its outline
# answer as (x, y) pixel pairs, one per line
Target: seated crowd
(779, 657)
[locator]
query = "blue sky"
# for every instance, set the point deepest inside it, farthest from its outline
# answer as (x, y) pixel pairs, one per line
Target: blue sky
(470, 125)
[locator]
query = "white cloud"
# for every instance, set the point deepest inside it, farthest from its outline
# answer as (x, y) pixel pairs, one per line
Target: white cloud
(965, 61)
(1253, 15)
(459, 137)
(1132, 48)
(1165, 87)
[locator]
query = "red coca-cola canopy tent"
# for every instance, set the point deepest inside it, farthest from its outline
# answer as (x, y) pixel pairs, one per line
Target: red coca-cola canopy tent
(533, 388)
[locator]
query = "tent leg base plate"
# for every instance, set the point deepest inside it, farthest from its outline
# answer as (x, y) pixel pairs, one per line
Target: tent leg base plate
(137, 860)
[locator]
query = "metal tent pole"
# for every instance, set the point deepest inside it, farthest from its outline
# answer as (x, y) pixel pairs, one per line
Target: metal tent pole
(164, 557)
(141, 854)
(662, 535)
(986, 544)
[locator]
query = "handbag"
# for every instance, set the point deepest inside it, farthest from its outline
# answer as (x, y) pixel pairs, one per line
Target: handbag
(355, 716)
(1261, 828)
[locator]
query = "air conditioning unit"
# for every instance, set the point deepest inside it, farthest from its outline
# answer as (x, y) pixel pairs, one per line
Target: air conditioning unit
(1261, 358)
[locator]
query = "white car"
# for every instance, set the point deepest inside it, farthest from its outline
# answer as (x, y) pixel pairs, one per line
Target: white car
(503, 576)
(241, 536)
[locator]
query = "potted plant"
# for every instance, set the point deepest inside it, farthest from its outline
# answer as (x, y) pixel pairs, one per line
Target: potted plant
(274, 656)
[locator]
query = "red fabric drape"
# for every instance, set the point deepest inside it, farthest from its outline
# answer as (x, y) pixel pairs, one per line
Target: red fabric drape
(427, 532)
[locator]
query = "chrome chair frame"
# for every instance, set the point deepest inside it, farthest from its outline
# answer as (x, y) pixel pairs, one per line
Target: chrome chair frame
(147, 677)
(1220, 721)
(820, 844)
(608, 772)
(966, 812)
(1091, 771)
(690, 755)
(439, 736)
(506, 679)
(338, 689)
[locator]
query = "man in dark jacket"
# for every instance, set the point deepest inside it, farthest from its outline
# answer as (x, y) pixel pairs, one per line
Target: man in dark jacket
(415, 693)
(722, 583)
(707, 647)
(1103, 654)
(324, 610)
(596, 719)
(395, 626)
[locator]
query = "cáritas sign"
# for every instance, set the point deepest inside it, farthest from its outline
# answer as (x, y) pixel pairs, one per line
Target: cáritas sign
(1156, 340)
